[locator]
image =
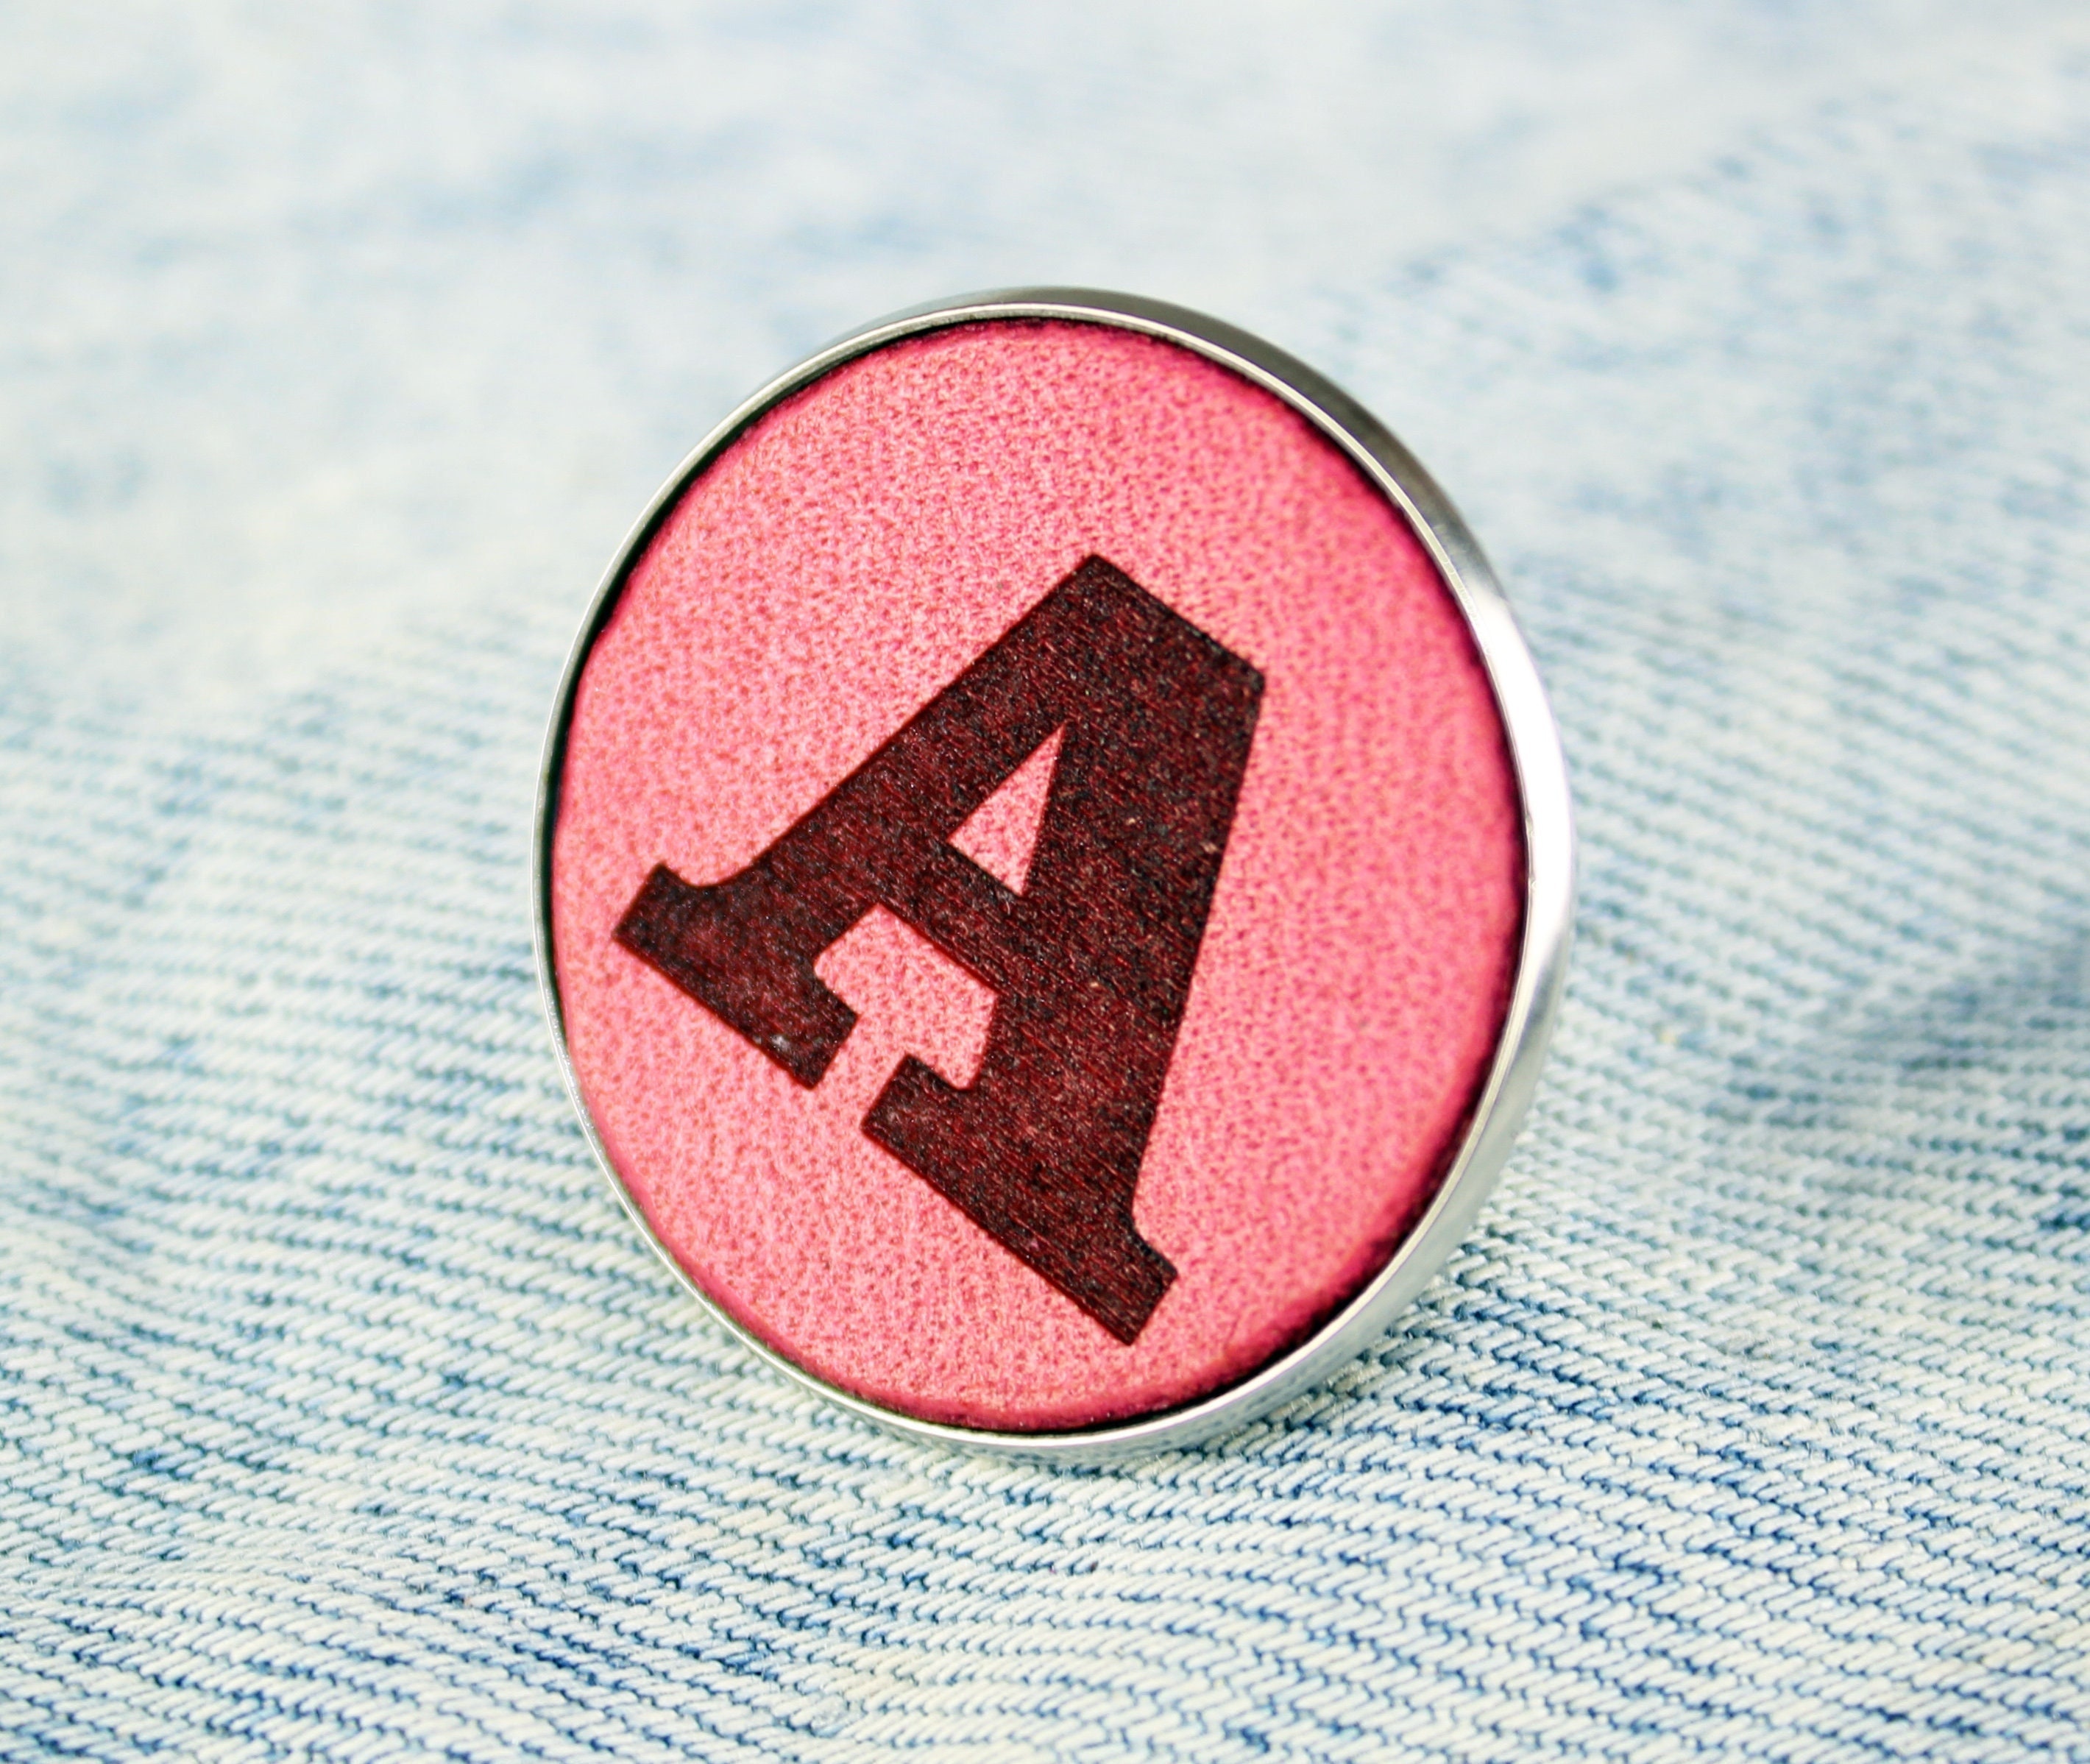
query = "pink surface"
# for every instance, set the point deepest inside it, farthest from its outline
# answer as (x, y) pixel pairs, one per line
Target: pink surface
(826, 576)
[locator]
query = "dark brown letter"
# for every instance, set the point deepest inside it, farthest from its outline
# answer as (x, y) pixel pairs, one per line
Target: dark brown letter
(1090, 964)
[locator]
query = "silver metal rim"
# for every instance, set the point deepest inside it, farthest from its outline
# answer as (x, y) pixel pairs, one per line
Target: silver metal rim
(1549, 845)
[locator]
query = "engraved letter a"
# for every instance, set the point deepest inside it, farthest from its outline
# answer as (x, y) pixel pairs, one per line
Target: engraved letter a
(1090, 963)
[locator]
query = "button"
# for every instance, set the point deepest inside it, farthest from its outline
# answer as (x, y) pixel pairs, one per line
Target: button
(1055, 869)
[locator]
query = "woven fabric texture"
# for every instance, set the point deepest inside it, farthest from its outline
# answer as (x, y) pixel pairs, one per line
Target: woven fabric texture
(342, 1414)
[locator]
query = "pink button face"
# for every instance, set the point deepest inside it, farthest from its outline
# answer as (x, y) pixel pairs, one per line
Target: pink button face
(1037, 877)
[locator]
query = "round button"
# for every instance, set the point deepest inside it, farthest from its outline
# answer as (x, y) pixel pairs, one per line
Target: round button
(1054, 871)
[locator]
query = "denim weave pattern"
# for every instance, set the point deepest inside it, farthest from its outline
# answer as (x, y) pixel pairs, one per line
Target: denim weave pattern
(342, 1414)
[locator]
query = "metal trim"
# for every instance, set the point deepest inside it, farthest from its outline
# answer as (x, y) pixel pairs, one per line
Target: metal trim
(1549, 845)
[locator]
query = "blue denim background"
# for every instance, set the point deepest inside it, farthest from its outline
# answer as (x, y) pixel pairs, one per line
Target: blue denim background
(340, 1411)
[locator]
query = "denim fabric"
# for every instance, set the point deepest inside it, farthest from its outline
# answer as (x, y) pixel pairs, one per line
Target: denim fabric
(340, 1411)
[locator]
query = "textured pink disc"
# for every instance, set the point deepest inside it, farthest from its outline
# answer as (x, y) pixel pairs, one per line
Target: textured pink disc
(1345, 971)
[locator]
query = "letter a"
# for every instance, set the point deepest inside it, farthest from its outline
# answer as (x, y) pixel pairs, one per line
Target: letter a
(1090, 964)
